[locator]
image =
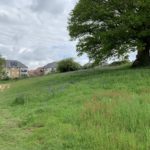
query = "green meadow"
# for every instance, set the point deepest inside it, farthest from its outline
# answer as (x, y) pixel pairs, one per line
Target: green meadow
(97, 109)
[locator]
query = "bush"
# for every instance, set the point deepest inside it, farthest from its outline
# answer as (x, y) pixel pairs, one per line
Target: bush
(20, 100)
(117, 63)
(67, 65)
(87, 66)
(4, 76)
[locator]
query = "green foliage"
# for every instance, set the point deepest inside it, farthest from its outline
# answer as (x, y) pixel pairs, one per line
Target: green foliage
(116, 63)
(111, 28)
(20, 99)
(87, 66)
(2, 61)
(99, 109)
(67, 65)
(4, 75)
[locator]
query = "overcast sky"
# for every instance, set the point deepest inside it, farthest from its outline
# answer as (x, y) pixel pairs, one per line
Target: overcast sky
(35, 31)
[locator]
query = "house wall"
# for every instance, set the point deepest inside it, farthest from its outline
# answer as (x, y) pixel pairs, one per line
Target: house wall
(49, 70)
(16, 72)
(13, 73)
(23, 72)
(36, 72)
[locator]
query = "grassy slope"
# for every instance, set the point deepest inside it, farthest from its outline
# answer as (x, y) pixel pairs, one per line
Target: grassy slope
(87, 110)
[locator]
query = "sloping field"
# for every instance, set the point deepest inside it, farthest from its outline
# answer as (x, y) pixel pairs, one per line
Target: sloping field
(88, 110)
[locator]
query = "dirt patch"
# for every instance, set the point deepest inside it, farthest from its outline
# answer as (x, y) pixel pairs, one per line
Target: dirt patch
(4, 87)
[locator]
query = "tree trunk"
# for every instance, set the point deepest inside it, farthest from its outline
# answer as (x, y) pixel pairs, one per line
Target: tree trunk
(143, 57)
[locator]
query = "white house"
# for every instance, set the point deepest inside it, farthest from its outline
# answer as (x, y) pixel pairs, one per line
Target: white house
(49, 68)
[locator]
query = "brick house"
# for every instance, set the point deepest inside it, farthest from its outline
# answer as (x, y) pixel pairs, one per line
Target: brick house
(37, 72)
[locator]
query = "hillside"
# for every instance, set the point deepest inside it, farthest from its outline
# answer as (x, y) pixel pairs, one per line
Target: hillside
(101, 109)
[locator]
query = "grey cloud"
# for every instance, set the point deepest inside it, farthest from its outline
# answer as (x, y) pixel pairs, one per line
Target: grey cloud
(34, 31)
(4, 18)
(7, 17)
(51, 6)
(6, 2)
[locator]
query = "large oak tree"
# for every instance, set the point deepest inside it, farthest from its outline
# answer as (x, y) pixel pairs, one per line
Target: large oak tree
(107, 28)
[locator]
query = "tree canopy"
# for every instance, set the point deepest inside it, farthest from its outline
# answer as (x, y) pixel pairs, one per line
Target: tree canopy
(67, 65)
(1, 64)
(107, 28)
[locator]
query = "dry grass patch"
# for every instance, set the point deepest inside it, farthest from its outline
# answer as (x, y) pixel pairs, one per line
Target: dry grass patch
(95, 110)
(4, 87)
(144, 90)
(113, 94)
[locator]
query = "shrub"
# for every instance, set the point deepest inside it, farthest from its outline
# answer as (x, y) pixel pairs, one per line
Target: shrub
(4, 76)
(24, 76)
(87, 66)
(20, 100)
(117, 63)
(67, 65)
(2, 62)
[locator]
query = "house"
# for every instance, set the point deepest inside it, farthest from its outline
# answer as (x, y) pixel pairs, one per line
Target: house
(49, 68)
(15, 69)
(37, 72)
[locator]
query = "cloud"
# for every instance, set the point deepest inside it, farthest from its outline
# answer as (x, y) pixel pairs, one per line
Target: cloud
(35, 31)
(6, 2)
(54, 7)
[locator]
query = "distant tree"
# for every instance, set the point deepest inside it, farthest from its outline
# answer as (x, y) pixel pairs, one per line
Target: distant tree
(108, 28)
(2, 61)
(87, 66)
(67, 65)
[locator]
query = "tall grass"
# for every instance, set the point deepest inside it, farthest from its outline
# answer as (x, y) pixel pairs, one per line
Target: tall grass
(106, 109)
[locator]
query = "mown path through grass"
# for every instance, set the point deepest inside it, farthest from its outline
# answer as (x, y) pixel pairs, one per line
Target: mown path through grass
(9, 134)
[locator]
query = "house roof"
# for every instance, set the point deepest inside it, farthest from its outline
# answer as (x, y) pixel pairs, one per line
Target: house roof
(14, 64)
(51, 65)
